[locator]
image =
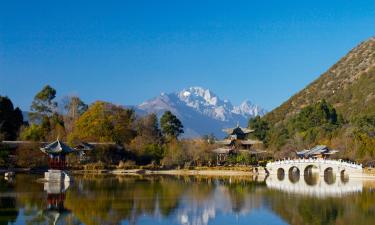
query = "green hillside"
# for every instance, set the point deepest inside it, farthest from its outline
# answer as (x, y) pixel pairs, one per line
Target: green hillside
(349, 86)
(337, 109)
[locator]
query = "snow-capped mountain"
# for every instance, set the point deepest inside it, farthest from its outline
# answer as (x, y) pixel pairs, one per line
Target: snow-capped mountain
(201, 111)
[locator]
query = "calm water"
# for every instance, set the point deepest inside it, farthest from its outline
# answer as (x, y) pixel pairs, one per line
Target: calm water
(187, 200)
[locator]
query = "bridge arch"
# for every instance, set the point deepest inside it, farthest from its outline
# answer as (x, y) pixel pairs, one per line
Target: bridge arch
(310, 170)
(311, 175)
(280, 174)
(344, 176)
(329, 176)
(294, 174)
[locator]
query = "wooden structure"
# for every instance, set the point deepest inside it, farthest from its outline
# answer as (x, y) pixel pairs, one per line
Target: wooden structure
(236, 141)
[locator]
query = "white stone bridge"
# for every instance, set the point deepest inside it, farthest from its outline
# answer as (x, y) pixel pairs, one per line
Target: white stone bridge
(304, 167)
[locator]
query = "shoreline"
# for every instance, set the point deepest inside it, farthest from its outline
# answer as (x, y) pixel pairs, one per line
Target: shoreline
(175, 172)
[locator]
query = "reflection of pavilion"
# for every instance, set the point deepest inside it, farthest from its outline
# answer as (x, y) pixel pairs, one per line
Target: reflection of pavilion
(329, 185)
(56, 211)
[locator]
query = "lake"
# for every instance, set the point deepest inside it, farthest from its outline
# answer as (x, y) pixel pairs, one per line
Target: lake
(187, 200)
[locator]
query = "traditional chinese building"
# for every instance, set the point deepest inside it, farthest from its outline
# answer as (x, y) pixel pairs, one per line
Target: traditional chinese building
(82, 149)
(57, 152)
(319, 151)
(237, 140)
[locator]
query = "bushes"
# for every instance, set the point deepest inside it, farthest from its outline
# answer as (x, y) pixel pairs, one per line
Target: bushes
(95, 166)
(128, 164)
(30, 156)
(4, 156)
(188, 153)
(242, 158)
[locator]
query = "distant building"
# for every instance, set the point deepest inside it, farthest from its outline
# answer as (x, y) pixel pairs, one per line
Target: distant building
(319, 151)
(236, 141)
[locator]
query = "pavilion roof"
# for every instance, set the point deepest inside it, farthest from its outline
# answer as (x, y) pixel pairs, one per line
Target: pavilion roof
(56, 215)
(57, 147)
(83, 146)
(238, 129)
(317, 150)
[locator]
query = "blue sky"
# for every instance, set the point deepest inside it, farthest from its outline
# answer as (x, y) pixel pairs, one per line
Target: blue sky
(129, 51)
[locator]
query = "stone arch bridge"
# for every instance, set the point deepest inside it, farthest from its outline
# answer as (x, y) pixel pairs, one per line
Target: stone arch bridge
(305, 167)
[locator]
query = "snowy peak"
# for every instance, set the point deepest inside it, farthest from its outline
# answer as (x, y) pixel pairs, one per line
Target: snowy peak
(246, 108)
(198, 96)
(201, 110)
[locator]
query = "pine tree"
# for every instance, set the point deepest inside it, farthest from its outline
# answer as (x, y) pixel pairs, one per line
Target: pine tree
(171, 126)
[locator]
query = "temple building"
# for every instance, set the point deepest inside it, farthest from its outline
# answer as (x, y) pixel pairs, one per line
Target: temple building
(236, 141)
(318, 152)
(82, 149)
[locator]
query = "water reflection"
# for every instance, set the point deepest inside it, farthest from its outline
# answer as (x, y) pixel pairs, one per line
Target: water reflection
(8, 204)
(186, 200)
(313, 184)
(56, 210)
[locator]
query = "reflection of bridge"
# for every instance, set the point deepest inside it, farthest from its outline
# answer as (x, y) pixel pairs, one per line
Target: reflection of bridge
(305, 167)
(315, 186)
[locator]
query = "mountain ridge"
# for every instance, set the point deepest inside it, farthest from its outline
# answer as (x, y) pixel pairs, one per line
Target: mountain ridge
(201, 111)
(348, 85)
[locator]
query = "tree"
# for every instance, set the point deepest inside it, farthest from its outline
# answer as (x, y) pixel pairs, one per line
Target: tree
(147, 145)
(320, 114)
(171, 126)
(260, 127)
(43, 104)
(73, 107)
(48, 123)
(10, 119)
(105, 122)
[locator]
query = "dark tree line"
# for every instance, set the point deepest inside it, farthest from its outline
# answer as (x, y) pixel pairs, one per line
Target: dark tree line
(11, 119)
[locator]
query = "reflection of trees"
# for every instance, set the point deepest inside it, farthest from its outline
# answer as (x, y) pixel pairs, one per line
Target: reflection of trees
(188, 200)
(298, 209)
(110, 200)
(8, 208)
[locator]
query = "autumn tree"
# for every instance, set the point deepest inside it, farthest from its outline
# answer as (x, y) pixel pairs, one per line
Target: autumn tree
(105, 122)
(171, 126)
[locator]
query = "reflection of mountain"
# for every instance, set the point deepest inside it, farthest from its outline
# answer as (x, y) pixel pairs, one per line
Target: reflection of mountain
(222, 200)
